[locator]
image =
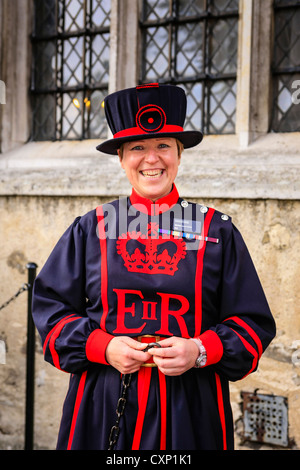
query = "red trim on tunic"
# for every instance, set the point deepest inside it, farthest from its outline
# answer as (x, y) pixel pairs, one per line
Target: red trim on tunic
(103, 250)
(143, 386)
(53, 335)
(144, 378)
(251, 350)
(250, 331)
(96, 346)
(76, 408)
(213, 346)
(221, 409)
(199, 272)
(163, 410)
(52, 330)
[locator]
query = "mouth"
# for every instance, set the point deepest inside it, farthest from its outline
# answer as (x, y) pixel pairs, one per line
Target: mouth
(155, 173)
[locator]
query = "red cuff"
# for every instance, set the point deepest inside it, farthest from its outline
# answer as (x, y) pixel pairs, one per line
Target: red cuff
(96, 346)
(213, 346)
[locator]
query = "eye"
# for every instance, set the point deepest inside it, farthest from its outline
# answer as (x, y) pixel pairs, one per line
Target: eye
(137, 147)
(163, 146)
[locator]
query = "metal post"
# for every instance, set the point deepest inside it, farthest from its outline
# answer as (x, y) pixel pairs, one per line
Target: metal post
(30, 358)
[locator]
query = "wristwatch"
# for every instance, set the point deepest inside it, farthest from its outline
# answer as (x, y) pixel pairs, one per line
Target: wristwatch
(201, 359)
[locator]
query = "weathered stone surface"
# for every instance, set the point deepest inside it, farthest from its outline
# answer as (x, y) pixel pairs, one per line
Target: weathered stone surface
(30, 226)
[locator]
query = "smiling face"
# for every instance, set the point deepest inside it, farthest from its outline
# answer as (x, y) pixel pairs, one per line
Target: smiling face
(151, 165)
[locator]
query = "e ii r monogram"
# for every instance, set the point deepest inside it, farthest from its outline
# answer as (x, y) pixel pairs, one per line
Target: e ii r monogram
(150, 311)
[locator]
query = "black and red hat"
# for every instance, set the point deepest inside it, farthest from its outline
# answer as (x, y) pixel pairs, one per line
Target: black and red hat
(145, 112)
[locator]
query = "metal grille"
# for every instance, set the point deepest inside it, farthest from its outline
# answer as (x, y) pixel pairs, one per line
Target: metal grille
(193, 44)
(286, 67)
(265, 418)
(70, 68)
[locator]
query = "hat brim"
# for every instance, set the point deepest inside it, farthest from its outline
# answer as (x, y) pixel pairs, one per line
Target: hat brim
(188, 138)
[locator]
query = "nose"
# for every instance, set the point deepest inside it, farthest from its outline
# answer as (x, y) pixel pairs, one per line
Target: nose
(151, 156)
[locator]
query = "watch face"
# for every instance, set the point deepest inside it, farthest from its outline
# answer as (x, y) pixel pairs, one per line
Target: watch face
(200, 361)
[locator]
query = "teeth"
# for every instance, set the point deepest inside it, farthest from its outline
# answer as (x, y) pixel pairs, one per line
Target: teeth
(152, 173)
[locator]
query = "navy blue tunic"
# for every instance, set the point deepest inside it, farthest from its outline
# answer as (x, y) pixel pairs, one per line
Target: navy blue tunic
(132, 267)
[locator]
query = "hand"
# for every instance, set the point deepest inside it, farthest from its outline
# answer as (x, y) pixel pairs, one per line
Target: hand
(176, 355)
(126, 354)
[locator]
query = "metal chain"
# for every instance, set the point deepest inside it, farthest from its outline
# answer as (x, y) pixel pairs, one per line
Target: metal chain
(22, 289)
(115, 430)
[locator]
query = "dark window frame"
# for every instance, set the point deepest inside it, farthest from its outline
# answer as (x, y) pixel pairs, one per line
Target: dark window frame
(49, 92)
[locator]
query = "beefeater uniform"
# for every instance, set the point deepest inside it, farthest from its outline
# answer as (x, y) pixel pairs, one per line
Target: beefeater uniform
(150, 271)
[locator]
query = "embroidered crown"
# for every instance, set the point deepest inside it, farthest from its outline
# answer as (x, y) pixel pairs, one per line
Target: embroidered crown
(151, 253)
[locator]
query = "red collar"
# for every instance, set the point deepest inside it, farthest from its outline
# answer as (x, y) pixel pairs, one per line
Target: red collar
(154, 208)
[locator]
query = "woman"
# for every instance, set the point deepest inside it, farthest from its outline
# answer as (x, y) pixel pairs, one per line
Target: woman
(150, 298)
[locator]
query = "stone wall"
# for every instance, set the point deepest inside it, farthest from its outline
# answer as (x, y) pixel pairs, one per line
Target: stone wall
(31, 225)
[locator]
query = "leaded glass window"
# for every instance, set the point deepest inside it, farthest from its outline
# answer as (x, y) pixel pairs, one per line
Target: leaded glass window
(286, 67)
(70, 68)
(193, 44)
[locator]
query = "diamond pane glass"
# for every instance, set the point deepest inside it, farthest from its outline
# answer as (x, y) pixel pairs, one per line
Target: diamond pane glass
(221, 104)
(287, 34)
(193, 43)
(74, 17)
(71, 46)
(72, 61)
(194, 93)
(188, 8)
(189, 59)
(154, 10)
(224, 46)
(99, 59)
(96, 115)
(286, 67)
(156, 59)
(100, 13)
(72, 104)
(225, 5)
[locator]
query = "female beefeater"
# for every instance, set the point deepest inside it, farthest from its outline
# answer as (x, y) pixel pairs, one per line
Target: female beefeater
(150, 268)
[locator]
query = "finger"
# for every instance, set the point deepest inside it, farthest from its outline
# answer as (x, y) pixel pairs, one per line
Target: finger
(134, 344)
(167, 342)
(162, 352)
(167, 366)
